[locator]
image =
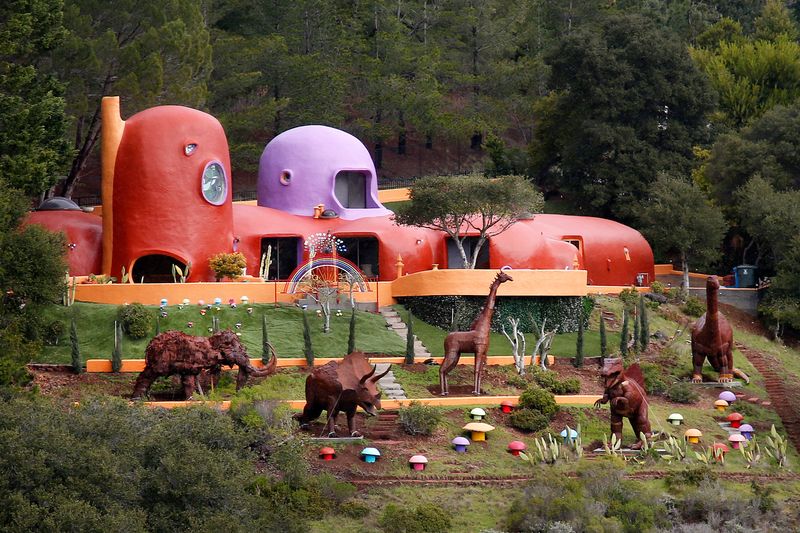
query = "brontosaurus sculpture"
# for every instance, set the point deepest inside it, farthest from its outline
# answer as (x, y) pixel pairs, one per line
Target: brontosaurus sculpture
(476, 340)
(712, 338)
(624, 388)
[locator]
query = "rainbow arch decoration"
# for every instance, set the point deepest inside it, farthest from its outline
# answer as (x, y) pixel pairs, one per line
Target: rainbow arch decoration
(339, 263)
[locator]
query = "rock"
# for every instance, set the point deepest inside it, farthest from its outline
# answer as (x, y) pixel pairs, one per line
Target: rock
(660, 298)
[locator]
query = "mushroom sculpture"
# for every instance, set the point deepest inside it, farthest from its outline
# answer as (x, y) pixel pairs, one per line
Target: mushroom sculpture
(736, 440)
(506, 406)
(477, 413)
(747, 431)
(569, 435)
(418, 462)
(460, 444)
(720, 405)
(735, 419)
(478, 430)
(720, 450)
(728, 396)
(693, 435)
(370, 455)
(516, 446)
(327, 453)
(676, 419)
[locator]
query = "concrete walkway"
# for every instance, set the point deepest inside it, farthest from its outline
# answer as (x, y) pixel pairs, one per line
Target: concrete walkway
(388, 384)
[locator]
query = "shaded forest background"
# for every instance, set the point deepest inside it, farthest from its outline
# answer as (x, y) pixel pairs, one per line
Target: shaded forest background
(679, 117)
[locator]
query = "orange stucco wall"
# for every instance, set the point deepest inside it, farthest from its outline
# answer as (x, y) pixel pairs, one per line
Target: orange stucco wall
(394, 195)
(476, 283)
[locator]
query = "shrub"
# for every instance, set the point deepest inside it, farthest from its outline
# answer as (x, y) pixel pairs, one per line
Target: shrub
(629, 297)
(135, 320)
(548, 380)
(517, 381)
(426, 518)
(674, 294)
(419, 419)
(227, 265)
(694, 306)
(682, 393)
(354, 509)
(539, 400)
(653, 378)
(657, 287)
(53, 332)
(528, 420)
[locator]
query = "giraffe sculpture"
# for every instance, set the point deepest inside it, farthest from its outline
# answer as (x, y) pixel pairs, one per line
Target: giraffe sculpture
(476, 340)
(712, 338)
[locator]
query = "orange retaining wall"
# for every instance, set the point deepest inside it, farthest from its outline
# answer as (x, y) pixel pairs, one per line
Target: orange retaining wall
(394, 195)
(257, 291)
(484, 401)
(137, 365)
(474, 282)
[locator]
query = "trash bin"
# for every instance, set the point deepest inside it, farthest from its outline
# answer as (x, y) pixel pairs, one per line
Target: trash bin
(745, 276)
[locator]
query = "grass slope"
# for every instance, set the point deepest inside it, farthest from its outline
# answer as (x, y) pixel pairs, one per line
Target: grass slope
(285, 328)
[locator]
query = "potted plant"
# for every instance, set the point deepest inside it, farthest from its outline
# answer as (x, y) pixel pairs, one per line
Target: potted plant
(226, 265)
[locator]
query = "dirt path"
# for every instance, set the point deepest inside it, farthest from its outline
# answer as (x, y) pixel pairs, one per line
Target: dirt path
(739, 477)
(784, 398)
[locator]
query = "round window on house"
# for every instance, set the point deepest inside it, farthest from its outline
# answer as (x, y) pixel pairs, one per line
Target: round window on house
(214, 183)
(286, 177)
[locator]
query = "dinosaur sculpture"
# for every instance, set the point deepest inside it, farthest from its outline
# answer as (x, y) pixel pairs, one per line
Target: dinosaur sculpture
(712, 339)
(624, 388)
(476, 340)
(344, 386)
(174, 352)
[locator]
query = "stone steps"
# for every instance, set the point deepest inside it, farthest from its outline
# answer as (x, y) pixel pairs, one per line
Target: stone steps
(395, 322)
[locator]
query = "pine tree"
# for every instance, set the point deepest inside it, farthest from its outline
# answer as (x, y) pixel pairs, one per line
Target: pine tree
(351, 341)
(116, 355)
(603, 339)
(644, 330)
(77, 364)
(158, 326)
(410, 340)
(623, 341)
(308, 350)
(579, 342)
(265, 351)
(635, 331)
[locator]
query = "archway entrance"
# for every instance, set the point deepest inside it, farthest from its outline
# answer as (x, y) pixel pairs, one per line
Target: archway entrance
(155, 269)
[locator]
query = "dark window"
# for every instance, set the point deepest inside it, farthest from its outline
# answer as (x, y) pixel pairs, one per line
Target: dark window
(363, 251)
(283, 253)
(155, 269)
(454, 258)
(351, 189)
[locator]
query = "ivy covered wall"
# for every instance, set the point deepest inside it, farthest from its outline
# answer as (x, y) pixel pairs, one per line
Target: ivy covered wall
(440, 310)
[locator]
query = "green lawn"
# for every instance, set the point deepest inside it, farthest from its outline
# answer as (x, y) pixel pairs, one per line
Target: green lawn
(95, 324)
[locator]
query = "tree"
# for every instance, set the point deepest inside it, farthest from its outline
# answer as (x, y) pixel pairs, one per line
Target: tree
(517, 340)
(116, 354)
(410, 352)
(147, 51)
(75, 349)
(624, 333)
(265, 346)
(308, 350)
(626, 103)
(351, 339)
(579, 342)
(33, 151)
(462, 206)
(603, 339)
(644, 329)
(677, 218)
(636, 325)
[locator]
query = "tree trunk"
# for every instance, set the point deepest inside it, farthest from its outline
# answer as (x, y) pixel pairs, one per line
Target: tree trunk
(685, 280)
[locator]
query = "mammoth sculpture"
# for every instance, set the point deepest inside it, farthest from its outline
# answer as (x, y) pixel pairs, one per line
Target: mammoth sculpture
(624, 389)
(174, 352)
(345, 386)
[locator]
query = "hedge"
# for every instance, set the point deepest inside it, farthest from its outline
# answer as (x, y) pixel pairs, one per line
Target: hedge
(560, 310)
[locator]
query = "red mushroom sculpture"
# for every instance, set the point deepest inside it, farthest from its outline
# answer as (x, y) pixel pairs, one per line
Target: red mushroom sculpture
(516, 446)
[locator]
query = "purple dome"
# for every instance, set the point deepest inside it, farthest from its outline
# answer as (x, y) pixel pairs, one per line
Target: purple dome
(311, 165)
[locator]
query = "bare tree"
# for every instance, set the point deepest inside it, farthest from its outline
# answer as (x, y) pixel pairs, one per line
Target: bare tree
(544, 339)
(517, 340)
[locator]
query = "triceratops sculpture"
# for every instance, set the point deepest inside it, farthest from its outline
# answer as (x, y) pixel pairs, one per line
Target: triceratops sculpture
(336, 387)
(174, 352)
